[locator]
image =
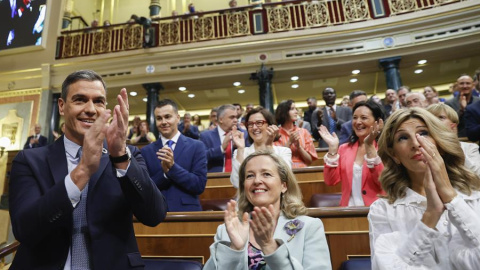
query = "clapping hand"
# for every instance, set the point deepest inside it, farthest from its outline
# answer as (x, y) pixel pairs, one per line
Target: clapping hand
(374, 131)
(165, 154)
(263, 225)
(237, 229)
(272, 133)
(238, 138)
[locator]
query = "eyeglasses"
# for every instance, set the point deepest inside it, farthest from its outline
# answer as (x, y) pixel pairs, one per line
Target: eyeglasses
(258, 123)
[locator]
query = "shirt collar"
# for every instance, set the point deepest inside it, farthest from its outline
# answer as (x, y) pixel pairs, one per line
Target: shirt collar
(174, 138)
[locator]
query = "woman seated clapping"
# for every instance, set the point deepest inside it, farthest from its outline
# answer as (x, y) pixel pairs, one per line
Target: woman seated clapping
(298, 139)
(262, 131)
(143, 134)
(356, 164)
(270, 229)
(430, 217)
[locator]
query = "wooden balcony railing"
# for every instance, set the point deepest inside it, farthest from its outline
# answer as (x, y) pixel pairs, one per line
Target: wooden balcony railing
(232, 23)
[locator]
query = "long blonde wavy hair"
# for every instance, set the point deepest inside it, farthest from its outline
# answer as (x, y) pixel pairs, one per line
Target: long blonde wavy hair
(291, 204)
(395, 179)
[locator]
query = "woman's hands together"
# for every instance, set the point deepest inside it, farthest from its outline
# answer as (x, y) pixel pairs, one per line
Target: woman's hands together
(263, 226)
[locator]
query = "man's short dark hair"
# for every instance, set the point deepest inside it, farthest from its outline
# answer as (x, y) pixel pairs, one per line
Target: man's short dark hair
(356, 93)
(80, 75)
(165, 102)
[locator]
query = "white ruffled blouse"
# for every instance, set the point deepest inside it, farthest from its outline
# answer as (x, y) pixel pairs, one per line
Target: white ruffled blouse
(399, 240)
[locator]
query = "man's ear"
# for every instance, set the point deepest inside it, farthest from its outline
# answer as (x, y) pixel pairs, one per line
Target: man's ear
(60, 106)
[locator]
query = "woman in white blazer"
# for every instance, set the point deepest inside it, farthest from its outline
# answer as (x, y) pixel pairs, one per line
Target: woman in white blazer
(262, 131)
(269, 230)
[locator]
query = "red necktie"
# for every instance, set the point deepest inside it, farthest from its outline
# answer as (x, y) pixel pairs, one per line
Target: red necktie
(228, 157)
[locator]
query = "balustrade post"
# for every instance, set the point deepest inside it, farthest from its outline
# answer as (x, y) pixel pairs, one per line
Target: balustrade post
(392, 74)
(264, 78)
(153, 91)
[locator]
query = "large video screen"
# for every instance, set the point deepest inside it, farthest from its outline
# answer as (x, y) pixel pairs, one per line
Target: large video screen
(21, 23)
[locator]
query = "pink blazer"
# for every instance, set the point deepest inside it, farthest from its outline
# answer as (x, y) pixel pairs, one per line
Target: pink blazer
(344, 173)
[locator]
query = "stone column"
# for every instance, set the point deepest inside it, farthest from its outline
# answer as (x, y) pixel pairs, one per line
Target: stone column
(155, 8)
(264, 78)
(392, 74)
(153, 91)
(55, 117)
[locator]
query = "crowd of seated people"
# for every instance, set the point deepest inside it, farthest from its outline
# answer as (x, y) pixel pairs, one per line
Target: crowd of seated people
(422, 184)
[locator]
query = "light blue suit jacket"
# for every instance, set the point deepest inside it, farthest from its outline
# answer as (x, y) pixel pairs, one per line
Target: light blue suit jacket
(308, 250)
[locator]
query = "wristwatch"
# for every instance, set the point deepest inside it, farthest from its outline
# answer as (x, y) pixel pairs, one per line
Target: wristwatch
(120, 159)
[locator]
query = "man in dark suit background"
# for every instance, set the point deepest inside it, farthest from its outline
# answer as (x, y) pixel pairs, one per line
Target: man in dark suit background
(176, 163)
(187, 128)
(36, 140)
(72, 202)
(331, 115)
(218, 141)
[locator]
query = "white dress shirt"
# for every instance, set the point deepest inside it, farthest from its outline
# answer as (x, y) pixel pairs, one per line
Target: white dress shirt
(400, 240)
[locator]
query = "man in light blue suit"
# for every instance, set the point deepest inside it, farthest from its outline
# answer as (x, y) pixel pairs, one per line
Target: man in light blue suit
(218, 141)
(177, 164)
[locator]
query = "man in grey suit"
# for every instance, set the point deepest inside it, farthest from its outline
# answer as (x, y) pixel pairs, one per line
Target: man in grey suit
(331, 115)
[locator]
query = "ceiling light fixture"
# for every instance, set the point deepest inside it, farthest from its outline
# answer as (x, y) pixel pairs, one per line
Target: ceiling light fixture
(422, 62)
(353, 80)
(418, 71)
(145, 99)
(191, 95)
(294, 78)
(182, 88)
(241, 91)
(237, 83)
(294, 85)
(133, 93)
(355, 71)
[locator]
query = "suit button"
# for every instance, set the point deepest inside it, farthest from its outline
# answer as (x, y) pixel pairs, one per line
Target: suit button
(364, 192)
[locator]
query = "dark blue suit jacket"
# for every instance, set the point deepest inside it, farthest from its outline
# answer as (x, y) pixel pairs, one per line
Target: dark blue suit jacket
(212, 142)
(345, 132)
(192, 132)
(472, 121)
(186, 179)
(41, 211)
(42, 141)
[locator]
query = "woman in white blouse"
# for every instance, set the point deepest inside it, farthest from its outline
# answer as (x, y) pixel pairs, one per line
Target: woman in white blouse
(262, 131)
(449, 117)
(430, 217)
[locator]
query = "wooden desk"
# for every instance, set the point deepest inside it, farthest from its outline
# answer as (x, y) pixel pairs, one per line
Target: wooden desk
(189, 234)
(310, 180)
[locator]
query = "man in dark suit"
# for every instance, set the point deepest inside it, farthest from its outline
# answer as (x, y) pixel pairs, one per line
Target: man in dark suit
(187, 128)
(72, 202)
(36, 140)
(465, 88)
(176, 163)
(331, 115)
(218, 141)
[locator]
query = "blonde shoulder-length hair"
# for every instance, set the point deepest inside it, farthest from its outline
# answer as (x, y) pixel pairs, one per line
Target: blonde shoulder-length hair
(395, 179)
(291, 204)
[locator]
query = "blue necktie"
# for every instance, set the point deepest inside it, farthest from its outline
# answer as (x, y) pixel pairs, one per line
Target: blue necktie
(170, 143)
(331, 123)
(80, 256)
